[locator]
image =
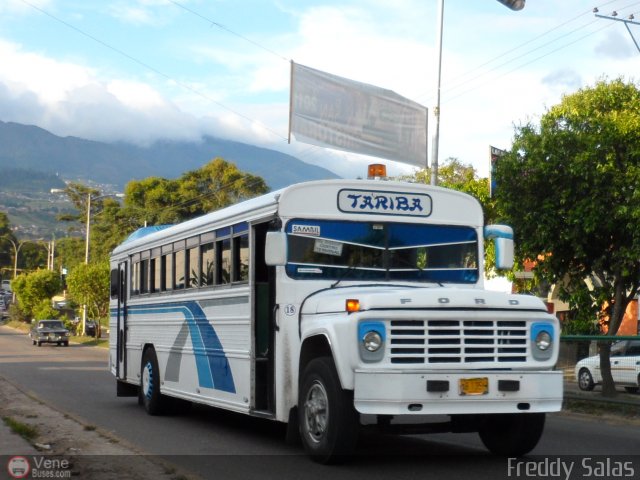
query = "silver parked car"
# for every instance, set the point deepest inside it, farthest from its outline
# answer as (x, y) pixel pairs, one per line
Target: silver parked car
(625, 367)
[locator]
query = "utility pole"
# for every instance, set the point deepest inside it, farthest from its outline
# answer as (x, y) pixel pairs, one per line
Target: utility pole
(626, 21)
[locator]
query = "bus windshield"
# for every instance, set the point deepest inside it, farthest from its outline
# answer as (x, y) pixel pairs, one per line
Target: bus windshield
(339, 250)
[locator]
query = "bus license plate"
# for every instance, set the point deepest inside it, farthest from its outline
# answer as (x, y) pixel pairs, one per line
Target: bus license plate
(474, 386)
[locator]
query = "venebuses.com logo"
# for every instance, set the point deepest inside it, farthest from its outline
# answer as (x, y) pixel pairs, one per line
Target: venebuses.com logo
(18, 467)
(38, 467)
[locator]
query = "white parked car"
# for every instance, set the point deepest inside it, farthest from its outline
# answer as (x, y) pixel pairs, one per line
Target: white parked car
(625, 367)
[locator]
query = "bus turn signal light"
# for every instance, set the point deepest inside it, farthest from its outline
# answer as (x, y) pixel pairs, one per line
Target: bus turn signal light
(353, 305)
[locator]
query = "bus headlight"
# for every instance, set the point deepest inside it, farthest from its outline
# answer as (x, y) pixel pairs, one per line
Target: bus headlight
(372, 341)
(543, 340)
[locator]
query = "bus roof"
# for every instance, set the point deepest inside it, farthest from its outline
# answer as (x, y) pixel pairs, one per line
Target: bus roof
(356, 200)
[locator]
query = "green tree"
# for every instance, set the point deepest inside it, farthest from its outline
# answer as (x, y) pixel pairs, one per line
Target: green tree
(6, 248)
(33, 255)
(459, 176)
(69, 253)
(217, 184)
(34, 288)
(570, 187)
(88, 284)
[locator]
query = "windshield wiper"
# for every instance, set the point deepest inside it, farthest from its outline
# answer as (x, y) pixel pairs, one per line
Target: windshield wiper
(349, 269)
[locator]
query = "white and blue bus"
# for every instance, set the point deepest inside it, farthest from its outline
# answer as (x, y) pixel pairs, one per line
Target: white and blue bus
(330, 305)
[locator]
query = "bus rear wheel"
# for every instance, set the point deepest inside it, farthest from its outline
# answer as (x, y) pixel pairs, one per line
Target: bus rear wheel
(512, 434)
(328, 421)
(150, 383)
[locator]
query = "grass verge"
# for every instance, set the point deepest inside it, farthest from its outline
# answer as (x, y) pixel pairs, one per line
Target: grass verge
(27, 432)
(602, 408)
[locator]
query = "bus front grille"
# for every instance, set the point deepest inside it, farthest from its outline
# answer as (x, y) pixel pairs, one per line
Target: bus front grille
(457, 342)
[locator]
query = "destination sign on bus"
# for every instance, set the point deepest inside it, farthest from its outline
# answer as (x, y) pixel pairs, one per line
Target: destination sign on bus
(387, 203)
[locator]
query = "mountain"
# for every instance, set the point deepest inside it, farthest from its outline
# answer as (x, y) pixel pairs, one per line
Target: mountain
(27, 147)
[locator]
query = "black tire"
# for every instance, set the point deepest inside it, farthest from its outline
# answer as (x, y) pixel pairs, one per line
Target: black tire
(632, 389)
(585, 380)
(328, 421)
(512, 434)
(33, 342)
(66, 344)
(150, 383)
(39, 344)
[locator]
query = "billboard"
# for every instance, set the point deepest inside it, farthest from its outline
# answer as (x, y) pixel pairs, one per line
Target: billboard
(335, 112)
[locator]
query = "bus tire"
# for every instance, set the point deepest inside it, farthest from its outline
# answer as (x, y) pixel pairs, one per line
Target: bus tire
(328, 421)
(512, 434)
(150, 383)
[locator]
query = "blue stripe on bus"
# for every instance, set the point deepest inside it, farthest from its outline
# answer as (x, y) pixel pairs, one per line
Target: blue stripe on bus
(211, 361)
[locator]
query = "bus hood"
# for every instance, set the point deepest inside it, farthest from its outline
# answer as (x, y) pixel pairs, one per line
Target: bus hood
(384, 297)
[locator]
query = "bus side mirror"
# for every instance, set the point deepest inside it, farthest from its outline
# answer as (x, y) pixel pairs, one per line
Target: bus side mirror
(275, 253)
(502, 237)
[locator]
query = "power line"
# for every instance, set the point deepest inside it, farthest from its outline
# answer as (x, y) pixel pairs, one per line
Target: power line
(518, 47)
(153, 69)
(228, 30)
(454, 87)
(528, 63)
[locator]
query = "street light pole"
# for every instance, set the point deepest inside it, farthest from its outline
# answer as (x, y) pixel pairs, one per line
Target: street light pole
(86, 258)
(435, 143)
(86, 246)
(436, 111)
(16, 250)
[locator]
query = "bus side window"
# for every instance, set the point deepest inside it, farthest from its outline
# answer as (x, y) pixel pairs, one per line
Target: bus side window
(135, 278)
(154, 275)
(208, 264)
(193, 269)
(144, 276)
(223, 261)
(241, 258)
(179, 270)
(167, 272)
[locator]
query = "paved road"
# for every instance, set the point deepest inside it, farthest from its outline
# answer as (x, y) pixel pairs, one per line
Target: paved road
(219, 444)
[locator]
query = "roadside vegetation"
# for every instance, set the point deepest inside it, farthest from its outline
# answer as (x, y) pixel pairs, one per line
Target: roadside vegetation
(150, 201)
(28, 432)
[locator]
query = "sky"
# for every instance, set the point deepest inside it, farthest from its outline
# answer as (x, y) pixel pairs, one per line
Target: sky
(142, 70)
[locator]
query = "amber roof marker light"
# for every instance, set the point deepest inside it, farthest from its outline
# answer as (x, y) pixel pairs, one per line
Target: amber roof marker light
(376, 171)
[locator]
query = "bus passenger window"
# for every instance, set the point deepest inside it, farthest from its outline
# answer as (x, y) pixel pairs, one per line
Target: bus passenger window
(144, 276)
(167, 272)
(206, 274)
(135, 278)
(154, 275)
(224, 261)
(241, 258)
(180, 268)
(193, 269)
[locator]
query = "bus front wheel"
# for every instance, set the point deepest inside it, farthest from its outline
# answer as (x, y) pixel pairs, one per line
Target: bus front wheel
(150, 383)
(328, 421)
(513, 434)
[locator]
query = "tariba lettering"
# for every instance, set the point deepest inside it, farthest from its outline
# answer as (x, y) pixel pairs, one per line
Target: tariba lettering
(384, 202)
